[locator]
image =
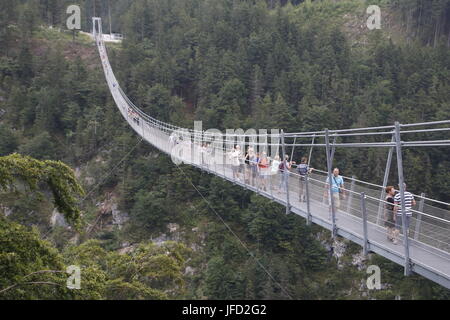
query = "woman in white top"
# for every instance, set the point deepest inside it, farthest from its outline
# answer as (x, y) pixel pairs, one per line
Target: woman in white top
(274, 170)
(209, 154)
(234, 157)
(202, 154)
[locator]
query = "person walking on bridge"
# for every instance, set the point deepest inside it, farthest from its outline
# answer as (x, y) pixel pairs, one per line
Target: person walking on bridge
(337, 188)
(274, 167)
(409, 203)
(235, 161)
(303, 171)
(203, 154)
(209, 155)
(248, 165)
(254, 160)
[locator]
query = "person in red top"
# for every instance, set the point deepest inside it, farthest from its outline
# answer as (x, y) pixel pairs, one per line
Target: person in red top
(263, 170)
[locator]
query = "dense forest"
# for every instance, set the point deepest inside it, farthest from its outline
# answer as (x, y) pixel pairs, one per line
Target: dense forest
(293, 65)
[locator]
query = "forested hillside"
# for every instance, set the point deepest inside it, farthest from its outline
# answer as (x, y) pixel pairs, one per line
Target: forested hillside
(293, 65)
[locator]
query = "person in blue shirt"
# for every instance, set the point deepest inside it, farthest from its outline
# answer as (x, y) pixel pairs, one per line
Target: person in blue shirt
(337, 186)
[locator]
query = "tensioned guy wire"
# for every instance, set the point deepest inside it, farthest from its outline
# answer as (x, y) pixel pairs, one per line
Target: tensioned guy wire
(103, 178)
(235, 235)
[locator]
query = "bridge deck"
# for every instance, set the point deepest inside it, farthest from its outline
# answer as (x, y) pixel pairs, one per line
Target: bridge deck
(425, 260)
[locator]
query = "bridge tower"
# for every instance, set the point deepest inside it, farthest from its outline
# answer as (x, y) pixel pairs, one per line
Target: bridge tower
(97, 26)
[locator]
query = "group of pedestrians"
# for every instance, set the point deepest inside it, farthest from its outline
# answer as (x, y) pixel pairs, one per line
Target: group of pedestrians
(257, 169)
(133, 115)
(264, 172)
(261, 171)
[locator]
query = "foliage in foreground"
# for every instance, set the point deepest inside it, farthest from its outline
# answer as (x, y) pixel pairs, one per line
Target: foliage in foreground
(30, 268)
(33, 173)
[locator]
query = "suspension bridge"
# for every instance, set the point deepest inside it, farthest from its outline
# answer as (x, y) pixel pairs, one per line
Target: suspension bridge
(360, 217)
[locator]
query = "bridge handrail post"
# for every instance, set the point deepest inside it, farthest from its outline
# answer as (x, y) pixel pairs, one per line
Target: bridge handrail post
(214, 151)
(198, 151)
(350, 196)
(270, 176)
(330, 184)
(401, 179)
(233, 170)
(308, 204)
(333, 149)
(244, 165)
(224, 159)
(419, 216)
(285, 173)
(311, 150)
(364, 220)
(385, 180)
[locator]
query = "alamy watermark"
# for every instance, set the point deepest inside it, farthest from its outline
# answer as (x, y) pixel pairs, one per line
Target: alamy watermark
(74, 21)
(374, 20)
(74, 279)
(374, 280)
(218, 147)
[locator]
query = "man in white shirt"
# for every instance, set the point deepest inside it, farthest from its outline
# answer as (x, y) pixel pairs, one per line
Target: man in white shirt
(409, 203)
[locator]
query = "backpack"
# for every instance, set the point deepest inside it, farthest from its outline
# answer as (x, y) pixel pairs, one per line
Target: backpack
(263, 163)
(303, 169)
(281, 166)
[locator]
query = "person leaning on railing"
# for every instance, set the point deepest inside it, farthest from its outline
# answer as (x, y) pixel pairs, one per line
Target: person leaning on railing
(249, 156)
(389, 214)
(409, 203)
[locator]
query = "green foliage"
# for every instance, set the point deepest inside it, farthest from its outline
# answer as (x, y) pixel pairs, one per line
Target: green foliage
(29, 267)
(149, 211)
(429, 18)
(40, 147)
(8, 141)
(58, 177)
(221, 282)
(147, 272)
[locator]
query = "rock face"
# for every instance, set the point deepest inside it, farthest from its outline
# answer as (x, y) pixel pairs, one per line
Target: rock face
(359, 260)
(336, 248)
(119, 217)
(74, 240)
(339, 248)
(5, 210)
(89, 181)
(126, 248)
(161, 239)
(189, 271)
(173, 235)
(57, 220)
(77, 172)
(110, 213)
